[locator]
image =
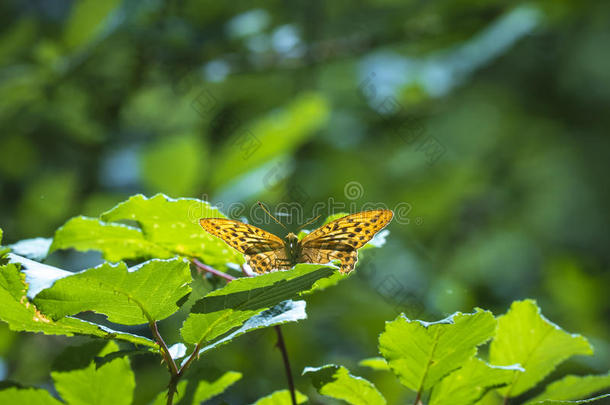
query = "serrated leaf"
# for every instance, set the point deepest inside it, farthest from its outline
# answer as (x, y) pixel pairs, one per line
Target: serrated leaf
(376, 363)
(468, 384)
(287, 311)
(230, 306)
(174, 225)
(29, 396)
(112, 383)
(281, 398)
(265, 290)
(147, 292)
(167, 227)
(115, 241)
(580, 401)
(336, 382)
(23, 315)
(205, 390)
(527, 338)
(573, 387)
(421, 353)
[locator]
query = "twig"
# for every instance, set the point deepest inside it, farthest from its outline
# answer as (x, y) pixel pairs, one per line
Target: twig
(171, 364)
(282, 346)
(212, 270)
(417, 398)
(189, 360)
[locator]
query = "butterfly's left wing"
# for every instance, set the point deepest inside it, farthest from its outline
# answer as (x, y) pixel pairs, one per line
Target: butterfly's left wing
(341, 238)
(263, 250)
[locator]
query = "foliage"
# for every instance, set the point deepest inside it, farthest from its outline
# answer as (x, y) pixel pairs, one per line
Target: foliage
(483, 125)
(441, 358)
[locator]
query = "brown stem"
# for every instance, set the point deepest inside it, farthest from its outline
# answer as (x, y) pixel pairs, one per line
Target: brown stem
(212, 270)
(171, 364)
(417, 398)
(282, 346)
(188, 362)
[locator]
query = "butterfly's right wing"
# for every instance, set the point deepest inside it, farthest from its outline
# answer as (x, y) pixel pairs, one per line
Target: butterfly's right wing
(263, 250)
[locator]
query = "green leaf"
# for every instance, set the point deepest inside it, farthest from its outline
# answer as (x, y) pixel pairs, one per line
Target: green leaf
(573, 387)
(86, 21)
(29, 396)
(287, 311)
(112, 383)
(336, 382)
(167, 227)
(265, 290)
(277, 134)
(230, 306)
(421, 353)
(133, 296)
(468, 384)
(23, 315)
(376, 363)
(526, 337)
(581, 401)
(115, 241)
(205, 390)
(281, 398)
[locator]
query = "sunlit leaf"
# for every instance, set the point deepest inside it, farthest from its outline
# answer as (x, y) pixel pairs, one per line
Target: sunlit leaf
(112, 383)
(281, 398)
(23, 315)
(376, 363)
(167, 227)
(205, 390)
(527, 338)
(580, 401)
(336, 382)
(133, 296)
(229, 307)
(573, 387)
(287, 311)
(421, 353)
(468, 384)
(30, 396)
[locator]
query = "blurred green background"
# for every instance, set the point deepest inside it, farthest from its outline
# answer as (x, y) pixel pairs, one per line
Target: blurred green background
(483, 124)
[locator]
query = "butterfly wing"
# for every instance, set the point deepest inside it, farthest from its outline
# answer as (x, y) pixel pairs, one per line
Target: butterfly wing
(263, 250)
(341, 238)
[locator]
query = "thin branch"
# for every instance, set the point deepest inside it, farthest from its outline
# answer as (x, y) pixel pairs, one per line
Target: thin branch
(282, 346)
(171, 364)
(188, 362)
(212, 270)
(417, 398)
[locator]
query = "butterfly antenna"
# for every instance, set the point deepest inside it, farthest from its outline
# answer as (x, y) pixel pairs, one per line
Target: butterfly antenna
(309, 222)
(268, 213)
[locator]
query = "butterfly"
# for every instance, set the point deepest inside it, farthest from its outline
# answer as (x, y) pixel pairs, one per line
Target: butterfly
(336, 240)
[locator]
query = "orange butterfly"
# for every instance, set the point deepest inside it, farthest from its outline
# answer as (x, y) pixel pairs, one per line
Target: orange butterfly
(339, 239)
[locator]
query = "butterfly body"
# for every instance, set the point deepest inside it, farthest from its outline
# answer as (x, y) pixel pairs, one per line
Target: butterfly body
(337, 240)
